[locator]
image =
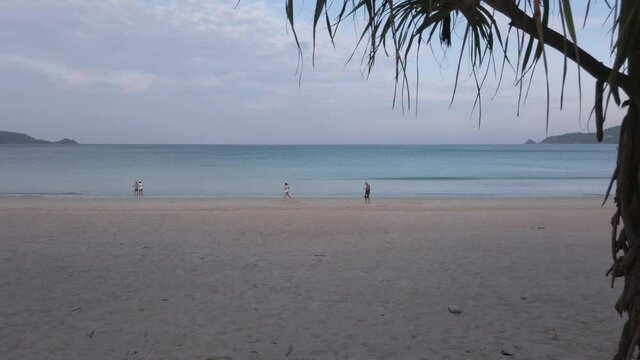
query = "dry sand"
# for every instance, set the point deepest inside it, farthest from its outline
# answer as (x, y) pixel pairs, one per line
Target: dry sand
(311, 279)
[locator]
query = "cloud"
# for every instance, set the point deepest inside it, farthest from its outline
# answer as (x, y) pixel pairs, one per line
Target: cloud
(126, 80)
(211, 82)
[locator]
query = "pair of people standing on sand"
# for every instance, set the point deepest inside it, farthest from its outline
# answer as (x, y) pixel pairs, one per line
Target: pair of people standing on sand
(367, 192)
(138, 188)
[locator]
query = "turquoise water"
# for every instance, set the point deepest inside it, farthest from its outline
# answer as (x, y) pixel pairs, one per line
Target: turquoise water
(312, 171)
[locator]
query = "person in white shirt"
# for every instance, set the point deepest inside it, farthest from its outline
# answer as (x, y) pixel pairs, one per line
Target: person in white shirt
(286, 191)
(140, 188)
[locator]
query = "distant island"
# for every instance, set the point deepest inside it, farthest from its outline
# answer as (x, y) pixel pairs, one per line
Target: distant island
(8, 137)
(611, 136)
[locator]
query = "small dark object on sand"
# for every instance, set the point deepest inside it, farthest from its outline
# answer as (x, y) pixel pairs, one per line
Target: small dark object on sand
(454, 310)
(505, 353)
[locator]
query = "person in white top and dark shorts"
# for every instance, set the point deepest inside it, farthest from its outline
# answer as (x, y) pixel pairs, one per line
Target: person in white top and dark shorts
(286, 191)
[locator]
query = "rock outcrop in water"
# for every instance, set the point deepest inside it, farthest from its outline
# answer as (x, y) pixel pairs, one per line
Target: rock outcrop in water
(8, 137)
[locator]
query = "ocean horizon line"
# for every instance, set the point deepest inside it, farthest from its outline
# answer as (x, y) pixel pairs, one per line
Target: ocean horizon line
(301, 145)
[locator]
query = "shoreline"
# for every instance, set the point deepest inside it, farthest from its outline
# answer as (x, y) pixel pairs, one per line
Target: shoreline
(311, 203)
(307, 197)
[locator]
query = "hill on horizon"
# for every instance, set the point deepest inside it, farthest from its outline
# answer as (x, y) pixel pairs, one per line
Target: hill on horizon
(9, 137)
(611, 136)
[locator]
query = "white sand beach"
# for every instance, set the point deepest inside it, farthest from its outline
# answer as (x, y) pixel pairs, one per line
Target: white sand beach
(309, 279)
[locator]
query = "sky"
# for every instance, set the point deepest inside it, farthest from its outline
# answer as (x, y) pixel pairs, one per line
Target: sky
(211, 72)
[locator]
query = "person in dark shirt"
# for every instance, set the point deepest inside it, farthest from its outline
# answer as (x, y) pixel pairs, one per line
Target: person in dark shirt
(367, 193)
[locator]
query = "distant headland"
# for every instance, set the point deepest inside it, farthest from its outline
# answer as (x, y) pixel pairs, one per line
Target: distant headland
(611, 136)
(8, 137)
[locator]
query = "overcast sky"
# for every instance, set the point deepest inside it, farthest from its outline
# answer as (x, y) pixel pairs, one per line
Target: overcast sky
(204, 72)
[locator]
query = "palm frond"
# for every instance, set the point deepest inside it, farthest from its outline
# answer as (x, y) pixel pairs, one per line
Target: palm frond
(399, 27)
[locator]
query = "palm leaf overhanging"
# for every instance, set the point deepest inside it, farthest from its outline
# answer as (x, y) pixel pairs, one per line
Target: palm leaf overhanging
(399, 28)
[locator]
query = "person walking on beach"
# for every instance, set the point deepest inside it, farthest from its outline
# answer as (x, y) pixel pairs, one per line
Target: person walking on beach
(286, 192)
(136, 189)
(140, 188)
(367, 193)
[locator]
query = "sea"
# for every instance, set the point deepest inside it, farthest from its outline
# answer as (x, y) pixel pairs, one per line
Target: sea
(313, 171)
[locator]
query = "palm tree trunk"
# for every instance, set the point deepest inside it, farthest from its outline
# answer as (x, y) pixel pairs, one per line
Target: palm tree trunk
(628, 203)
